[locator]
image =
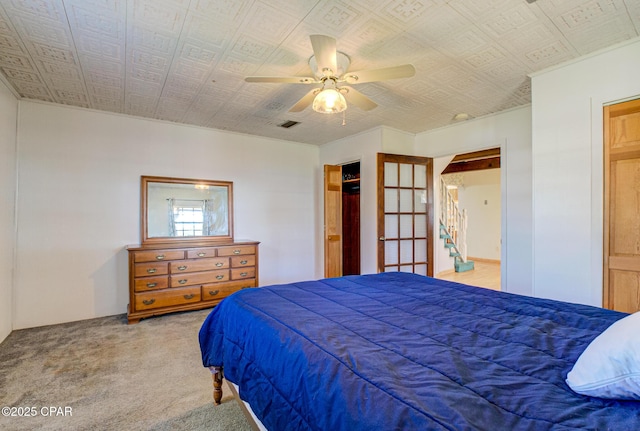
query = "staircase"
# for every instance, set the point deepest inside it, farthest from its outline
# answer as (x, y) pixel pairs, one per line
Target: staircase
(453, 225)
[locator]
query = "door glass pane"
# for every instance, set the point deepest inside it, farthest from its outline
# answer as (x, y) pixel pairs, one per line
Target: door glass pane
(406, 226)
(421, 250)
(406, 201)
(406, 268)
(391, 269)
(421, 269)
(391, 200)
(406, 251)
(390, 174)
(390, 252)
(420, 201)
(420, 176)
(406, 175)
(391, 226)
(420, 226)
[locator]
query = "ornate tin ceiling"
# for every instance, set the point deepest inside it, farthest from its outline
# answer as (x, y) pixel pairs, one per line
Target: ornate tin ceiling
(185, 60)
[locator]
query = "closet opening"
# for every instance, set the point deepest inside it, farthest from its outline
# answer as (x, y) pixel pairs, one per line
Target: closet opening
(351, 218)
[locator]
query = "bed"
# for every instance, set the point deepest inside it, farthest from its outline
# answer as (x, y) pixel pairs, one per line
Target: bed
(399, 351)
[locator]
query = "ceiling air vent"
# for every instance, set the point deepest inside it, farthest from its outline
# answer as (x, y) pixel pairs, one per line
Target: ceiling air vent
(288, 124)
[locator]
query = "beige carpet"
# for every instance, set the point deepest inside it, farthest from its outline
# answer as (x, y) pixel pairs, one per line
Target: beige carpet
(112, 376)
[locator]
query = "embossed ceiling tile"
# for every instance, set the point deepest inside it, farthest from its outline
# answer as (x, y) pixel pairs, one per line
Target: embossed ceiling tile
(542, 56)
(440, 24)
(193, 51)
(251, 49)
(400, 49)
(238, 66)
(469, 41)
(142, 87)
(190, 70)
(509, 19)
(142, 38)
(139, 104)
(159, 15)
(60, 70)
(100, 47)
(407, 11)
(335, 17)
(479, 11)
(16, 61)
(20, 75)
(204, 31)
(51, 53)
(146, 75)
(9, 43)
(102, 22)
(271, 23)
(633, 7)
(486, 59)
(70, 97)
(222, 11)
(370, 33)
(50, 9)
(149, 60)
(591, 25)
(36, 29)
(31, 90)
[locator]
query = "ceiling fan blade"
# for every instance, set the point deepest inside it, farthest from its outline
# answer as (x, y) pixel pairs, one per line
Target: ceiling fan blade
(324, 50)
(306, 100)
(282, 79)
(357, 98)
(403, 71)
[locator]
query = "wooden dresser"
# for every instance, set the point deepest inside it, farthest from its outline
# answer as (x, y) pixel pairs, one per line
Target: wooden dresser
(168, 278)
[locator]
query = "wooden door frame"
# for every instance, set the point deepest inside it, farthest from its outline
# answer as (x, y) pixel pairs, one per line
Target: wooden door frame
(611, 111)
(399, 158)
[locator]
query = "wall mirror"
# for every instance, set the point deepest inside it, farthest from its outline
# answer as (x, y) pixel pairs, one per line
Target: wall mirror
(186, 210)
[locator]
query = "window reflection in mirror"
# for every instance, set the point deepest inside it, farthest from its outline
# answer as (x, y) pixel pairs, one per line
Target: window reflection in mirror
(182, 209)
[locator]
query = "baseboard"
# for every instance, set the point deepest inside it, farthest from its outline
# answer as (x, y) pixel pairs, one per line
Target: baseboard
(445, 272)
(481, 259)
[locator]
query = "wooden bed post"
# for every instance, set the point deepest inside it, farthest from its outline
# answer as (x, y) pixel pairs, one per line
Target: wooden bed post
(216, 374)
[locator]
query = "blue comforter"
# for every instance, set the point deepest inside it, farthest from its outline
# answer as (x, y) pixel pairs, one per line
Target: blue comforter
(398, 351)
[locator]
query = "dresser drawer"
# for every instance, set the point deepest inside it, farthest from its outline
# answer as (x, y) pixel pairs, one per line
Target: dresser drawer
(242, 273)
(222, 290)
(195, 265)
(150, 268)
(200, 253)
(189, 279)
(240, 261)
(238, 250)
(157, 255)
(144, 284)
(167, 298)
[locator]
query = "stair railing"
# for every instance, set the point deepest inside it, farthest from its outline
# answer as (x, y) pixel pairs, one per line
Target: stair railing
(454, 220)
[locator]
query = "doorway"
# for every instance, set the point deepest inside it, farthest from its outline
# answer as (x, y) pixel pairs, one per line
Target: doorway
(351, 219)
(621, 266)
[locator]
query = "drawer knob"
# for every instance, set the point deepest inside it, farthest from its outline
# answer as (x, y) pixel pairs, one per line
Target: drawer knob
(245, 287)
(152, 284)
(244, 274)
(183, 281)
(243, 262)
(151, 270)
(202, 254)
(160, 256)
(236, 251)
(182, 267)
(189, 296)
(219, 264)
(148, 301)
(219, 277)
(213, 292)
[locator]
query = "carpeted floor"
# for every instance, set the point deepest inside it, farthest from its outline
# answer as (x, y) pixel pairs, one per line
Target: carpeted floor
(103, 374)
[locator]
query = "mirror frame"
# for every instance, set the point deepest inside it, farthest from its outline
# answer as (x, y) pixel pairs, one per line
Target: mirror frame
(191, 240)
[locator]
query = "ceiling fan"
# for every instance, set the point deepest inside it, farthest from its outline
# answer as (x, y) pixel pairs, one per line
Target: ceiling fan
(330, 69)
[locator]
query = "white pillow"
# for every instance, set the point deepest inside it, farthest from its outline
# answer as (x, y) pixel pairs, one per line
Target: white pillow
(610, 365)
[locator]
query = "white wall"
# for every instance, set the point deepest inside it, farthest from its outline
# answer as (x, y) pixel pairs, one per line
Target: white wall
(8, 118)
(480, 196)
(78, 203)
(567, 169)
(511, 131)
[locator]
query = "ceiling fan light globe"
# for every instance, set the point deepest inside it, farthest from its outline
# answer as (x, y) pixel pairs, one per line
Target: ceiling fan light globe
(329, 101)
